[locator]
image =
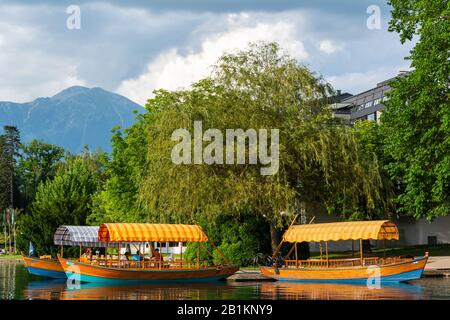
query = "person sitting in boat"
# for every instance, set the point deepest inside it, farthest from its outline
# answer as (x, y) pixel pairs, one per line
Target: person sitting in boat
(157, 256)
(139, 256)
(88, 253)
(126, 256)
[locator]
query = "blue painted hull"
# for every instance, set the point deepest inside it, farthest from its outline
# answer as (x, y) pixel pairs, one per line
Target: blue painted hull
(46, 273)
(401, 277)
(92, 279)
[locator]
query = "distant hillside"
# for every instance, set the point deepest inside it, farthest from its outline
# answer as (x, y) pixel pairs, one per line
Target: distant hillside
(75, 117)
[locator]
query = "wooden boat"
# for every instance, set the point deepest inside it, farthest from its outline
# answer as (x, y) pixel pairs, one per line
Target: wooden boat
(369, 270)
(45, 266)
(119, 270)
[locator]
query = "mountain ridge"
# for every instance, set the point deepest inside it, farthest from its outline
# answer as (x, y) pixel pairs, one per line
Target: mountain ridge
(72, 118)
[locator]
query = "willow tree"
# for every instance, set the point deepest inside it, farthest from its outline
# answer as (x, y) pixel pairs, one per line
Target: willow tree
(258, 88)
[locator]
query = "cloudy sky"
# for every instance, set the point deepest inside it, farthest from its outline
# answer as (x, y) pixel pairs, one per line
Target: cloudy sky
(133, 47)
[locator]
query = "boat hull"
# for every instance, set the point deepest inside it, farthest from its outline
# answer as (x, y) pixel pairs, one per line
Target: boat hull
(392, 273)
(97, 274)
(44, 268)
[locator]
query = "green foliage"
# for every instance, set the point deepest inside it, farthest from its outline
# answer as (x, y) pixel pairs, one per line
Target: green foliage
(416, 122)
(37, 163)
(66, 199)
(238, 239)
(9, 151)
(260, 88)
(117, 201)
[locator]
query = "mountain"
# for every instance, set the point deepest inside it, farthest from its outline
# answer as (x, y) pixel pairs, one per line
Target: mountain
(75, 117)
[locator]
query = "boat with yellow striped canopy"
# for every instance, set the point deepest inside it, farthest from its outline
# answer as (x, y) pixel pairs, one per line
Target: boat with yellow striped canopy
(120, 269)
(350, 270)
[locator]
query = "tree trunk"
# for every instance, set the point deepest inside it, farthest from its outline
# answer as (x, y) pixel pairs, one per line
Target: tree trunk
(275, 238)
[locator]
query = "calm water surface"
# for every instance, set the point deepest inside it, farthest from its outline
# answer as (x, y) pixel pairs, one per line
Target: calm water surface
(16, 283)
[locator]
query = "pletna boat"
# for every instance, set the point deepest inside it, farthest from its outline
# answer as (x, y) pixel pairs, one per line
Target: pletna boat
(74, 236)
(120, 269)
(44, 266)
(369, 270)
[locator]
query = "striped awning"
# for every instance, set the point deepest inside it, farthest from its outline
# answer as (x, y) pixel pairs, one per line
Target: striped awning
(355, 230)
(141, 232)
(86, 236)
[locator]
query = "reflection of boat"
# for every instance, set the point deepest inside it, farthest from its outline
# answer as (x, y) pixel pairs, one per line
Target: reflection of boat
(122, 291)
(156, 270)
(49, 268)
(334, 291)
(360, 270)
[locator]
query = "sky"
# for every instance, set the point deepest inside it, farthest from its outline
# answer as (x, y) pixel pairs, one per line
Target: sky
(134, 47)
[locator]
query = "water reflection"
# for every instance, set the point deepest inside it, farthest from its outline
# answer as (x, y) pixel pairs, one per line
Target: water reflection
(205, 291)
(57, 289)
(16, 283)
(329, 291)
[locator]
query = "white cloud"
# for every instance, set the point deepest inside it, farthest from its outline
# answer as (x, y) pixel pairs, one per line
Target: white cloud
(328, 47)
(173, 70)
(31, 71)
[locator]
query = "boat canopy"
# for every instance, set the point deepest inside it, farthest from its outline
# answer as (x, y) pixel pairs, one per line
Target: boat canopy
(86, 236)
(142, 232)
(355, 230)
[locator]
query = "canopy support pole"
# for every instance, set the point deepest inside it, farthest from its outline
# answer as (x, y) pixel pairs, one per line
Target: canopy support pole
(118, 255)
(384, 248)
(353, 248)
(320, 246)
(181, 254)
(296, 255)
(290, 252)
(326, 252)
(80, 252)
(62, 251)
(361, 251)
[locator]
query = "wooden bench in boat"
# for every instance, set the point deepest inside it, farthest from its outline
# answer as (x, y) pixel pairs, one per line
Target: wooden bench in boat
(170, 264)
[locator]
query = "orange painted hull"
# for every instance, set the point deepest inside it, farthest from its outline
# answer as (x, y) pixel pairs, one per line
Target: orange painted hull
(44, 267)
(390, 273)
(90, 273)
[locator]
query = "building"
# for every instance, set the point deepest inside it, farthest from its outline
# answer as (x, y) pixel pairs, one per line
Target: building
(368, 105)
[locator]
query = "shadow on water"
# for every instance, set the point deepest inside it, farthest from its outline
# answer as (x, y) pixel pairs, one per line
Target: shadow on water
(16, 283)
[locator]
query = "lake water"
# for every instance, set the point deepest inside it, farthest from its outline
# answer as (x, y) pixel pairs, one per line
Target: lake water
(16, 283)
